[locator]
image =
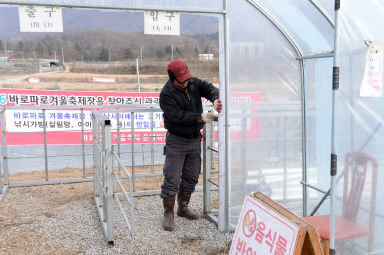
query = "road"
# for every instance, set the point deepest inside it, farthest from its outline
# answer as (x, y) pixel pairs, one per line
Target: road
(9, 78)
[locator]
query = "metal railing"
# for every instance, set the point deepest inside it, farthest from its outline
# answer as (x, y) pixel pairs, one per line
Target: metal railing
(102, 170)
(209, 166)
(127, 195)
(45, 135)
(108, 177)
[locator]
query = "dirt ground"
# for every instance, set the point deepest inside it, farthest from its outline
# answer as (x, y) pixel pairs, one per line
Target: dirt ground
(80, 82)
(143, 183)
(50, 197)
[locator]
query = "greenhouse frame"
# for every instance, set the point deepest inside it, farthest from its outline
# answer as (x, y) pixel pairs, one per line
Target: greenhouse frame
(301, 83)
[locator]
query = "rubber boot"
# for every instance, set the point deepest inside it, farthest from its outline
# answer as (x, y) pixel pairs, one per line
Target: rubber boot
(169, 222)
(183, 201)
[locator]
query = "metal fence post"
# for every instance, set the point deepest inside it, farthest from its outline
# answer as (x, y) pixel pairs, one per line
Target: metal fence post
(103, 148)
(108, 182)
(82, 140)
(4, 149)
(152, 149)
(285, 192)
(138, 75)
(96, 159)
(118, 137)
(212, 145)
(244, 148)
(207, 158)
(133, 147)
(45, 145)
(132, 208)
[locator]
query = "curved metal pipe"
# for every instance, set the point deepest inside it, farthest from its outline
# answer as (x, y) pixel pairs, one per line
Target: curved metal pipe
(277, 25)
(322, 12)
(109, 7)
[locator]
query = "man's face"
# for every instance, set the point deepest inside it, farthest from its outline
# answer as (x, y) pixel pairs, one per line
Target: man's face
(180, 85)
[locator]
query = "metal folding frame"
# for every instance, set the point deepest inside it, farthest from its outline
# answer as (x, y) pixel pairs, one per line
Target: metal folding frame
(129, 220)
(105, 176)
(209, 166)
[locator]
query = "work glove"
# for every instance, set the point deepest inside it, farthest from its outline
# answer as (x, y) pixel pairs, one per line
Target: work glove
(218, 105)
(207, 117)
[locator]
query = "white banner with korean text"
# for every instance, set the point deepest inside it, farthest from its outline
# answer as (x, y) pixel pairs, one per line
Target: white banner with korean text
(40, 18)
(63, 126)
(162, 23)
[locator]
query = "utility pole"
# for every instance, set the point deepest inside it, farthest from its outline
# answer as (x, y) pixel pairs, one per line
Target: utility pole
(138, 75)
(172, 52)
(62, 54)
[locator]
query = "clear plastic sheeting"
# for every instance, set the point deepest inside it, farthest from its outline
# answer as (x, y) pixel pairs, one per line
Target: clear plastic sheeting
(318, 73)
(212, 5)
(326, 7)
(264, 112)
(359, 135)
(303, 22)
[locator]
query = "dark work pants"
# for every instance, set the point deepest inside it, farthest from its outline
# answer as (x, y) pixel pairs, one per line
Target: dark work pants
(182, 164)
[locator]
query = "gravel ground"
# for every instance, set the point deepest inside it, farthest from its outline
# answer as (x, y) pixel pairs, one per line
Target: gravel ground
(62, 219)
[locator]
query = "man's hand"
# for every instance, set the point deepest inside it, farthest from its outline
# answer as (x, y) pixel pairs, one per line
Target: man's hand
(218, 105)
(207, 117)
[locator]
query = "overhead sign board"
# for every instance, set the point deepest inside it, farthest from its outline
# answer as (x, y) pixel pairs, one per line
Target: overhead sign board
(40, 18)
(162, 23)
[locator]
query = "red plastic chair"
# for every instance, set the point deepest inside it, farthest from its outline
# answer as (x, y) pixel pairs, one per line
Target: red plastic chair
(355, 173)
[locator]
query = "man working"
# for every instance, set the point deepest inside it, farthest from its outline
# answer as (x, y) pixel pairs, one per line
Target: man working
(180, 100)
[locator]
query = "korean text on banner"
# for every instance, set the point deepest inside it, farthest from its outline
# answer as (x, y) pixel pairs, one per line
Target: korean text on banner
(262, 231)
(40, 18)
(162, 23)
(22, 122)
(373, 72)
